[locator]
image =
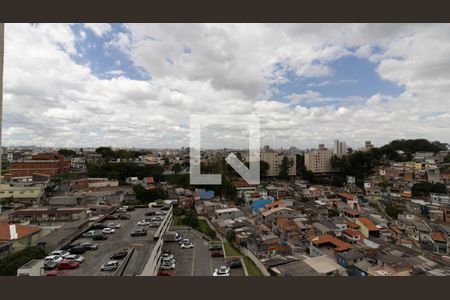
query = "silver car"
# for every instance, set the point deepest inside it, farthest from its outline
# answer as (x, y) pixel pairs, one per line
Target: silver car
(110, 265)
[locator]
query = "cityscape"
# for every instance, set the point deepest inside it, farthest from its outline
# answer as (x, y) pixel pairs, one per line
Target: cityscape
(96, 162)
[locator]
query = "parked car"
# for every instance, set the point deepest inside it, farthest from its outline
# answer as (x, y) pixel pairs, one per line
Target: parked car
(56, 273)
(186, 245)
(68, 264)
(108, 230)
(215, 247)
(154, 224)
(68, 247)
(157, 218)
(75, 257)
(61, 253)
(53, 258)
(89, 233)
(110, 265)
(78, 250)
(131, 208)
(119, 255)
(167, 265)
(150, 213)
(99, 226)
(111, 217)
(99, 237)
(50, 264)
(121, 210)
(217, 253)
(143, 223)
(166, 255)
(90, 246)
(183, 241)
(139, 232)
(114, 225)
(160, 213)
(165, 273)
(235, 264)
(124, 217)
(222, 271)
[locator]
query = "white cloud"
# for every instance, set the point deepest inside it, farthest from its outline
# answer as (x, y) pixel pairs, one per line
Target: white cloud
(99, 29)
(231, 68)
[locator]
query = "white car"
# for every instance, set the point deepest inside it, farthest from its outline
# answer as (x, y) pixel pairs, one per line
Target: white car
(184, 241)
(143, 223)
(222, 271)
(51, 259)
(167, 256)
(168, 265)
(74, 257)
(187, 245)
(61, 253)
(89, 233)
(110, 265)
(114, 225)
(108, 230)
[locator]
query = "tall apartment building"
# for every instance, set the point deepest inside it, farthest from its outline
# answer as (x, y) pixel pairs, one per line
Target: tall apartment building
(274, 159)
(368, 145)
(339, 148)
(319, 161)
(43, 163)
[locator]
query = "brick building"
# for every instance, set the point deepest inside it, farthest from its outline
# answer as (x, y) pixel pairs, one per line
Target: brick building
(43, 163)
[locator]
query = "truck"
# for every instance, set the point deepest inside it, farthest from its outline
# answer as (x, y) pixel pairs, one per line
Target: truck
(171, 236)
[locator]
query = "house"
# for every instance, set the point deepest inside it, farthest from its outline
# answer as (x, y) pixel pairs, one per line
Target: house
(352, 236)
(21, 236)
(287, 229)
(269, 216)
(228, 213)
(205, 194)
(349, 259)
(327, 245)
(441, 244)
(325, 265)
(367, 227)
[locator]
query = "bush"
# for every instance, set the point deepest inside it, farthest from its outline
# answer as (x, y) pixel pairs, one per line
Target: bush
(10, 263)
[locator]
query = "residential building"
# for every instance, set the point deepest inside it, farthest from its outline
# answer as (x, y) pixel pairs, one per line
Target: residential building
(319, 161)
(20, 236)
(275, 159)
(339, 148)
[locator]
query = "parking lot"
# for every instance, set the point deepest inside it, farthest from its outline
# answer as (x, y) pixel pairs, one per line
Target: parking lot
(196, 261)
(117, 241)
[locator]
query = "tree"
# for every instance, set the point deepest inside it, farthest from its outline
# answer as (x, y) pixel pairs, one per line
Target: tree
(263, 168)
(106, 152)
(423, 189)
(447, 159)
(67, 152)
(9, 264)
(286, 164)
(146, 195)
(392, 211)
(176, 168)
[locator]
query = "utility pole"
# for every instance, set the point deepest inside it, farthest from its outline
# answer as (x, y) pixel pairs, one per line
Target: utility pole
(2, 39)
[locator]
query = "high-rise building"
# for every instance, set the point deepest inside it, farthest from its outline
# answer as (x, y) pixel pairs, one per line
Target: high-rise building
(274, 159)
(339, 148)
(319, 161)
(368, 145)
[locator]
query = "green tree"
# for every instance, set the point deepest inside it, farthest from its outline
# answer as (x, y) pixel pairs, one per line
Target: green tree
(263, 168)
(176, 168)
(146, 195)
(423, 189)
(67, 152)
(286, 164)
(392, 211)
(106, 152)
(9, 264)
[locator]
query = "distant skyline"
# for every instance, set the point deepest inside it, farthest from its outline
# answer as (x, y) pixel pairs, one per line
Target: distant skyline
(135, 85)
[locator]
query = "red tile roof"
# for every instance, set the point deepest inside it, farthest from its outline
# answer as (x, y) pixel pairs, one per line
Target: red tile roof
(339, 245)
(21, 231)
(438, 236)
(352, 225)
(368, 224)
(347, 196)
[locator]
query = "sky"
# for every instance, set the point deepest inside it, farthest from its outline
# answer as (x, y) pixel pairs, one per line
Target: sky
(136, 85)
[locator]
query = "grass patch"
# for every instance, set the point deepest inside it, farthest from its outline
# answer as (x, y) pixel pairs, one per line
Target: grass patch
(252, 269)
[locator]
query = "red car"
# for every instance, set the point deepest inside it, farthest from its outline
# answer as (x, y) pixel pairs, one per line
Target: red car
(216, 253)
(166, 273)
(56, 273)
(68, 264)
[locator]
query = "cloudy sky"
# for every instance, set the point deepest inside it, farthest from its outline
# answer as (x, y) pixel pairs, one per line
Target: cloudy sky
(136, 85)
